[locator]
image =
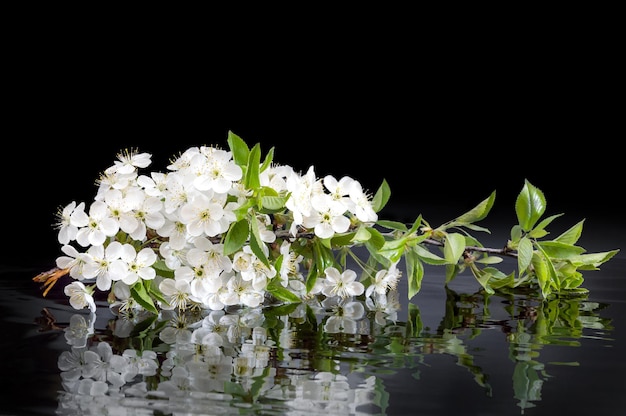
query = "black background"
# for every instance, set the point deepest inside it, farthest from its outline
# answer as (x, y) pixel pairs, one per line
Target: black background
(445, 122)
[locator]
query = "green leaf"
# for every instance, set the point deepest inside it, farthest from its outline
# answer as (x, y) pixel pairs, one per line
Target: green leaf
(362, 234)
(252, 180)
(516, 233)
(558, 250)
(323, 256)
(453, 247)
(140, 295)
(524, 253)
(489, 260)
(273, 203)
(156, 294)
(428, 257)
(376, 240)
(539, 231)
(529, 206)
(572, 235)
(540, 268)
(483, 276)
(242, 211)
(311, 278)
(392, 225)
(415, 271)
(381, 197)
(256, 244)
(592, 261)
(283, 294)
(416, 224)
(570, 277)
(499, 280)
(472, 227)
(479, 212)
(162, 269)
(342, 240)
(239, 149)
(452, 271)
(551, 274)
(267, 162)
(236, 236)
(393, 254)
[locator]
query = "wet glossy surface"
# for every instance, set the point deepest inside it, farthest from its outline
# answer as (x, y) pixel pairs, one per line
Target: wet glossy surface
(450, 351)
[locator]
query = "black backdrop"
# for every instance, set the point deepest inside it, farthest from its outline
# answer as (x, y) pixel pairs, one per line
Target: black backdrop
(444, 133)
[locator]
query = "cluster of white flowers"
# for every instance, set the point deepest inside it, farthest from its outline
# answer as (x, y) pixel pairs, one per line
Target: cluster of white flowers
(179, 219)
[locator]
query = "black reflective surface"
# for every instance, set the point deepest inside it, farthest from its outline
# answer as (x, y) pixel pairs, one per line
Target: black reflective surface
(451, 351)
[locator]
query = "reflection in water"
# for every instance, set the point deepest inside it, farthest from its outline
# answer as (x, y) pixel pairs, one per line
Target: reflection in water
(309, 358)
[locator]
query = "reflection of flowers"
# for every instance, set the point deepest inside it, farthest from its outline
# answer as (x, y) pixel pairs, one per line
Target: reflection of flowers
(211, 354)
(345, 317)
(384, 307)
(278, 358)
(79, 330)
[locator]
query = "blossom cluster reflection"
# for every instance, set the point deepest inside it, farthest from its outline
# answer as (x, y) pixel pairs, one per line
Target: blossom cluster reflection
(224, 359)
(313, 357)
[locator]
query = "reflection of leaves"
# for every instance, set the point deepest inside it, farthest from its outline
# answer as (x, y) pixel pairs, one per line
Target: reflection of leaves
(467, 361)
(414, 323)
(527, 384)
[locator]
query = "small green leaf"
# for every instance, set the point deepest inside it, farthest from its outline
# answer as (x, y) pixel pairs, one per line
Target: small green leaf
(540, 268)
(311, 278)
(236, 236)
(273, 203)
(499, 279)
(392, 225)
(256, 244)
(539, 231)
(267, 162)
(381, 197)
(376, 240)
(592, 261)
(553, 279)
(156, 294)
(453, 247)
(524, 253)
(342, 240)
(239, 149)
(529, 206)
(483, 277)
(162, 269)
(416, 225)
(479, 212)
(489, 260)
(516, 233)
(394, 250)
(558, 250)
(415, 271)
(427, 256)
(362, 234)
(252, 180)
(141, 296)
(572, 235)
(283, 294)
